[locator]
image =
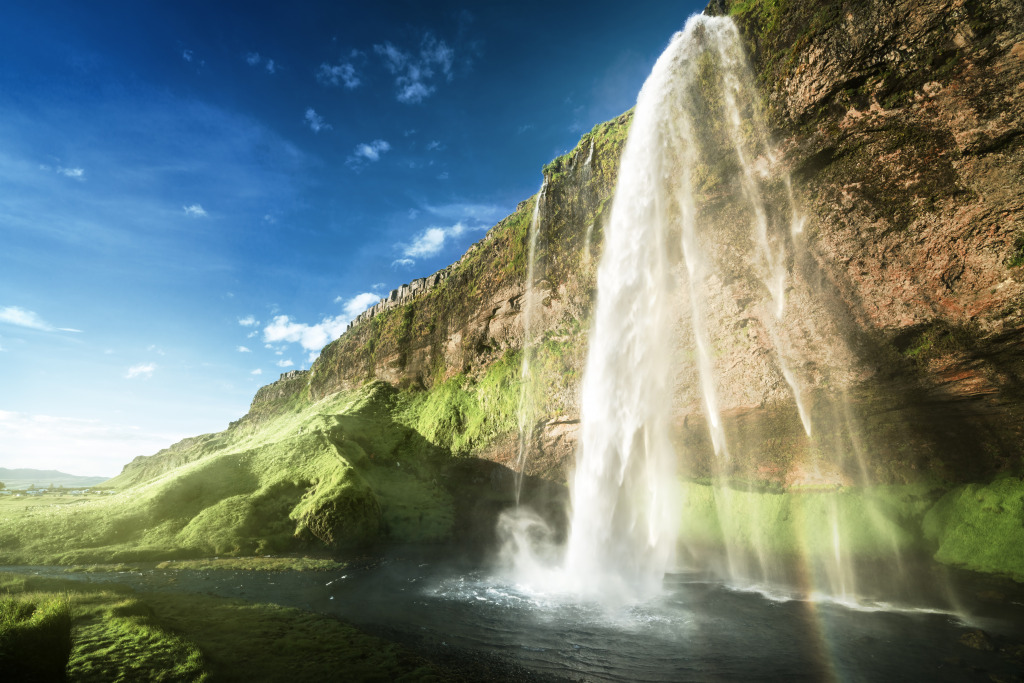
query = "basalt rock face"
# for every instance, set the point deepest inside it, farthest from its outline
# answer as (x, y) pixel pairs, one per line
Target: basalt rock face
(902, 124)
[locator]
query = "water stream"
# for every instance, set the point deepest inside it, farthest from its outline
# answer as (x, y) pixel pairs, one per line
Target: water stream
(697, 629)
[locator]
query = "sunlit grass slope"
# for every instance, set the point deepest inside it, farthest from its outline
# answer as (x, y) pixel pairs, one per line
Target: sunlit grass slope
(327, 475)
(64, 630)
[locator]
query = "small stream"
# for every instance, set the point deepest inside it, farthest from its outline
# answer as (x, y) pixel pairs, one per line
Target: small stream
(697, 630)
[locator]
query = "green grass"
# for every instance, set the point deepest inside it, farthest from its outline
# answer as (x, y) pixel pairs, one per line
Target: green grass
(51, 629)
(326, 475)
(35, 636)
(981, 527)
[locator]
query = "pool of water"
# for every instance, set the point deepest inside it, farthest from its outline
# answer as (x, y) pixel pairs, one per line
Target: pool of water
(697, 629)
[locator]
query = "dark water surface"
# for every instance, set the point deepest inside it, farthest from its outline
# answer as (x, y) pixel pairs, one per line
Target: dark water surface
(698, 630)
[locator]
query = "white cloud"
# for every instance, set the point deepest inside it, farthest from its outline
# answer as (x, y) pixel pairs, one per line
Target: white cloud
(370, 151)
(270, 66)
(252, 334)
(428, 243)
(15, 315)
(359, 303)
(403, 263)
(257, 371)
(248, 321)
(431, 241)
(141, 370)
(19, 316)
(313, 355)
(311, 337)
(443, 175)
(338, 74)
(315, 121)
(76, 173)
(378, 285)
(252, 58)
(186, 55)
(284, 363)
(434, 144)
(413, 92)
(194, 211)
(243, 349)
(416, 73)
(394, 59)
(315, 337)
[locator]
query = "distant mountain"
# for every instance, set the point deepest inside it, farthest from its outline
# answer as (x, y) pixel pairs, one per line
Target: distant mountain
(23, 478)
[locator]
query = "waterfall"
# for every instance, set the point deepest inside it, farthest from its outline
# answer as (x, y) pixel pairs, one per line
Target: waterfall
(698, 277)
(526, 414)
(625, 495)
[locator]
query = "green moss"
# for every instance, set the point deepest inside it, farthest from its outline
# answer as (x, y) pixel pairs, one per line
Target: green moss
(935, 339)
(981, 527)
(871, 523)
(1016, 258)
(462, 415)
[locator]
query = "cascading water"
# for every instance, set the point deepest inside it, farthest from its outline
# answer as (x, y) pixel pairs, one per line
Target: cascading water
(675, 282)
(526, 414)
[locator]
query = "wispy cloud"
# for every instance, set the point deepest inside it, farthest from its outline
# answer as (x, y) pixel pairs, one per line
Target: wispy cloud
(270, 66)
(141, 370)
(434, 145)
(257, 371)
(315, 121)
(367, 152)
(417, 72)
(431, 241)
(253, 58)
(466, 211)
(285, 363)
(194, 211)
(248, 321)
(21, 317)
(403, 263)
(187, 55)
(338, 75)
(76, 173)
(244, 349)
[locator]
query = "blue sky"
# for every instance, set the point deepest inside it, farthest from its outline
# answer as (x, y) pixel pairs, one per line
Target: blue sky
(197, 197)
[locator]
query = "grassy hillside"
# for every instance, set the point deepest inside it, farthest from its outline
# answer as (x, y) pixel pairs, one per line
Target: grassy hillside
(295, 475)
(327, 475)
